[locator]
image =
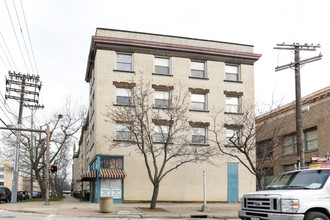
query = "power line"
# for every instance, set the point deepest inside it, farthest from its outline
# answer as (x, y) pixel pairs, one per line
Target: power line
(27, 30)
(3, 62)
(19, 23)
(8, 51)
(19, 45)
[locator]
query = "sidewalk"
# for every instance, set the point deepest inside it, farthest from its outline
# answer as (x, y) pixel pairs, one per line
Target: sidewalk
(73, 207)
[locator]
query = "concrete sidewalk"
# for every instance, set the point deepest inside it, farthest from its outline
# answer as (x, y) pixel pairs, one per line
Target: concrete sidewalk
(73, 207)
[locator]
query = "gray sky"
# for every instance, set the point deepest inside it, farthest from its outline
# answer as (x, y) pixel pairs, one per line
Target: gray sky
(61, 31)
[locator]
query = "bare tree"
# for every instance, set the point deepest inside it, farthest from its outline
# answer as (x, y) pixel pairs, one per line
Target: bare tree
(64, 124)
(162, 134)
(235, 136)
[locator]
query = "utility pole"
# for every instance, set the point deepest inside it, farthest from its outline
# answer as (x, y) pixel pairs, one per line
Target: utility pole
(297, 65)
(32, 107)
(24, 88)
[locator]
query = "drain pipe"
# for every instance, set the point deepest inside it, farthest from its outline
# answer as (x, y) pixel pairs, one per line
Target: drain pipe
(204, 206)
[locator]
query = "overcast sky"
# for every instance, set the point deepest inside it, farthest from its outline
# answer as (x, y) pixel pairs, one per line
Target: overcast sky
(61, 30)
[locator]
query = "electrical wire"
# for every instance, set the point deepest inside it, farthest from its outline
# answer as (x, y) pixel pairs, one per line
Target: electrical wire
(19, 45)
(28, 32)
(8, 51)
(6, 57)
(8, 107)
(4, 62)
(20, 27)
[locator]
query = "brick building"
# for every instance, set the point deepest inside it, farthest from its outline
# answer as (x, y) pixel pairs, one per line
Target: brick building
(279, 147)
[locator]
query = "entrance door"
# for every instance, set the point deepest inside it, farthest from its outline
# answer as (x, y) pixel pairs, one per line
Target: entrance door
(232, 182)
(112, 188)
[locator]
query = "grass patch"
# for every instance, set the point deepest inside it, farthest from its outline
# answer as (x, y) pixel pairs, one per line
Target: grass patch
(51, 199)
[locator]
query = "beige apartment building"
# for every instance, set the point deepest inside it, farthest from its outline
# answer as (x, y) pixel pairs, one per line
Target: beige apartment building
(216, 75)
(6, 174)
(276, 140)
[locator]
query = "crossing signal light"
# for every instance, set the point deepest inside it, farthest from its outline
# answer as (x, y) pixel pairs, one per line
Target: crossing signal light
(53, 169)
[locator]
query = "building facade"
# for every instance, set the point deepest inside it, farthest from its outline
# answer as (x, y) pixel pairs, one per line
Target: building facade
(6, 174)
(217, 75)
(276, 140)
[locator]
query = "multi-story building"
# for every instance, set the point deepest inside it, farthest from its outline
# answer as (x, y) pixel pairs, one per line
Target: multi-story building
(276, 140)
(6, 174)
(80, 166)
(217, 75)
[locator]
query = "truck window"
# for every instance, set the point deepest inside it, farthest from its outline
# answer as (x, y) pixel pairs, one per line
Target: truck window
(310, 179)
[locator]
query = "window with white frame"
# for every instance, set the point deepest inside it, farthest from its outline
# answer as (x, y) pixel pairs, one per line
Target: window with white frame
(233, 137)
(161, 133)
(124, 62)
(2, 176)
(311, 140)
(123, 131)
(162, 66)
(232, 73)
(197, 69)
(2, 183)
(123, 96)
(198, 135)
(2, 169)
(162, 99)
(289, 144)
(198, 102)
(233, 104)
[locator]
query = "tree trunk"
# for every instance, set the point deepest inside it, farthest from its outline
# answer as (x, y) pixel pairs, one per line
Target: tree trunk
(41, 183)
(259, 182)
(154, 196)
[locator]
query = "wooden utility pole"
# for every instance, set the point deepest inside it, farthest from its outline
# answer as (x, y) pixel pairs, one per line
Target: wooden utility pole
(297, 66)
(24, 88)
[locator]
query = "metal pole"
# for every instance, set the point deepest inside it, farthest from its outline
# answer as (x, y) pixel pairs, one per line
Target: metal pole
(31, 169)
(204, 207)
(15, 170)
(300, 140)
(47, 168)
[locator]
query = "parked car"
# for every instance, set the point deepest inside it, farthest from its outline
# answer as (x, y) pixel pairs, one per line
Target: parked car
(25, 195)
(36, 194)
(5, 194)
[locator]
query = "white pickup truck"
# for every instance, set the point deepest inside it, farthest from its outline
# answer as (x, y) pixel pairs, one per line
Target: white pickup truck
(296, 195)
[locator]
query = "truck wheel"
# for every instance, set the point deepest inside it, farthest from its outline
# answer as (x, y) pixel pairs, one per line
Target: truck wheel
(315, 216)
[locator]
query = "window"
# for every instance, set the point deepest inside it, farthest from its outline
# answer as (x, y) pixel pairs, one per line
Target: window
(198, 102)
(233, 137)
(2, 168)
(2, 183)
(265, 149)
(198, 135)
(2, 176)
(161, 133)
(268, 176)
(123, 132)
(124, 62)
(289, 167)
(197, 69)
(162, 99)
(232, 73)
(111, 163)
(123, 96)
(311, 140)
(233, 104)
(162, 66)
(289, 144)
